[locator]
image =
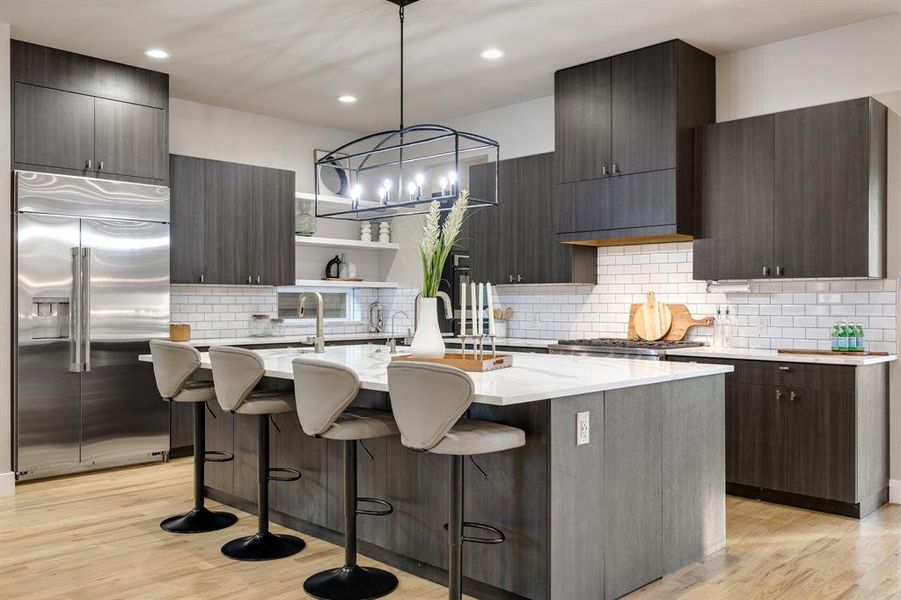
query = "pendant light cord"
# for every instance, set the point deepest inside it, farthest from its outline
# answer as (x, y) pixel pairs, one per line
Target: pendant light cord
(401, 14)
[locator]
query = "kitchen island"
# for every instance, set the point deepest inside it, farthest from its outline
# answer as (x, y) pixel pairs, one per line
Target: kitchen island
(644, 496)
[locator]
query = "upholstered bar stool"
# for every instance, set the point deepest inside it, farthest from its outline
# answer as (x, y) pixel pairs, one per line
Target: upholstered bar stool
(236, 373)
(173, 366)
(428, 401)
(323, 392)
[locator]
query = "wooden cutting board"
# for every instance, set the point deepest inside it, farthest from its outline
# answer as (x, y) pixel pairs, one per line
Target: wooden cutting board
(653, 319)
(827, 352)
(682, 322)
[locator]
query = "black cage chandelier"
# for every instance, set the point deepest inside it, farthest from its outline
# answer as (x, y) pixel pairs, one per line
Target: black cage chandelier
(400, 172)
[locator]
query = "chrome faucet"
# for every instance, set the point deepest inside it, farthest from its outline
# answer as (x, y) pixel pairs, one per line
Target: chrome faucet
(392, 341)
(448, 309)
(319, 339)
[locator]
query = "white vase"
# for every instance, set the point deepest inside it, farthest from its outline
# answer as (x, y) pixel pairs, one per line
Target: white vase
(427, 341)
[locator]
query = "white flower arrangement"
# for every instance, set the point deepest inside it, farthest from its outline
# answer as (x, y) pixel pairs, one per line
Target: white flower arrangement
(437, 241)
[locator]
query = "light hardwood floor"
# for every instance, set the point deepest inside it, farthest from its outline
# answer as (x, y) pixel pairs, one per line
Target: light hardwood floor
(97, 536)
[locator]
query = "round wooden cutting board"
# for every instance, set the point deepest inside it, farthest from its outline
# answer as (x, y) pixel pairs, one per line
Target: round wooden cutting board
(652, 319)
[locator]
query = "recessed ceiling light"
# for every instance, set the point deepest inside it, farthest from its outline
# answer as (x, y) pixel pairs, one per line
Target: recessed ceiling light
(492, 53)
(347, 99)
(156, 53)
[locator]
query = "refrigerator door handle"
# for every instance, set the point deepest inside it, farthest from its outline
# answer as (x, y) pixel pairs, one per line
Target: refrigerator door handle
(75, 314)
(86, 307)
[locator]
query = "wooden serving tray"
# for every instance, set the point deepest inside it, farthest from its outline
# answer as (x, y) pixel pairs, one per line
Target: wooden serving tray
(470, 363)
(827, 352)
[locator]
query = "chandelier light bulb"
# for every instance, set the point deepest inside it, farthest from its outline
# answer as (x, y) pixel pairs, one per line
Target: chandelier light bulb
(387, 185)
(443, 183)
(452, 177)
(420, 179)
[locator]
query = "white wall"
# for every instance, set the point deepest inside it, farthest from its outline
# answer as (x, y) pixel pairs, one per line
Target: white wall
(7, 481)
(863, 59)
(521, 129)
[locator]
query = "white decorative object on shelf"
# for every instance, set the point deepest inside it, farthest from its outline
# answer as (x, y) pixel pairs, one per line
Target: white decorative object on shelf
(366, 232)
(384, 232)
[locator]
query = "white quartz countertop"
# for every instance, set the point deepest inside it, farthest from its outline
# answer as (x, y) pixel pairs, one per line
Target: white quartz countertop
(286, 339)
(532, 376)
(773, 355)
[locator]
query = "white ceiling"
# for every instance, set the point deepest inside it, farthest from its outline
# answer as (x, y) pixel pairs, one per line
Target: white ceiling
(292, 58)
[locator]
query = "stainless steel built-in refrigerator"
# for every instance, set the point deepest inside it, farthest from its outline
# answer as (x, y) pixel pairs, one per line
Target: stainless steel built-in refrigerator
(93, 288)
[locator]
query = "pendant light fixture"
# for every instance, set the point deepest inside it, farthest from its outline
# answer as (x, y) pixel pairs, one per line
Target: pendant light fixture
(400, 172)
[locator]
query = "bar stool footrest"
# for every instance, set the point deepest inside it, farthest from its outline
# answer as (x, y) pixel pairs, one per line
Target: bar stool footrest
(293, 474)
(218, 456)
(498, 538)
(375, 512)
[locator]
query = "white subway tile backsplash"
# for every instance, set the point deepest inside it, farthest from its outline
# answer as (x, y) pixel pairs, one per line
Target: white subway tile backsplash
(776, 314)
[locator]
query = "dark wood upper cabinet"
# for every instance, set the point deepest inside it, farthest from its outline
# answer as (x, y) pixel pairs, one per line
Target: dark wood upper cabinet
(188, 219)
(644, 110)
(795, 194)
(231, 223)
(734, 178)
(53, 128)
(628, 120)
(130, 140)
(489, 232)
(582, 117)
(79, 115)
(53, 68)
(514, 242)
(273, 226)
(830, 169)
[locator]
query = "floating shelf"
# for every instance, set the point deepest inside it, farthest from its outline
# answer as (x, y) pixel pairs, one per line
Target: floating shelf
(331, 200)
(308, 283)
(324, 242)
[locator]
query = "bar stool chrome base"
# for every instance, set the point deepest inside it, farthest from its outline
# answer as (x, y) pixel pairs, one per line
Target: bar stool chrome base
(350, 582)
(199, 520)
(263, 546)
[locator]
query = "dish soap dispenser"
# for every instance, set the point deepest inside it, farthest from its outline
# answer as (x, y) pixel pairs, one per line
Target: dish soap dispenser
(333, 268)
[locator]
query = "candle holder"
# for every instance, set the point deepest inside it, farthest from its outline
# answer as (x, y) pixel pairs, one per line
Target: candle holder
(478, 345)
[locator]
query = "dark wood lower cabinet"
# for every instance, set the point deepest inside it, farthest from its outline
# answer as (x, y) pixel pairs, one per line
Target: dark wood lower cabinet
(644, 497)
(814, 436)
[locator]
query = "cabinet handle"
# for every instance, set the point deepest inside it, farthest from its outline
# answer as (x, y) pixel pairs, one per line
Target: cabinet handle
(100, 165)
(511, 278)
(605, 170)
(778, 394)
(779, 271)
(202, 278)
(766, 271)
(258, 278)
(249, 279)
(87, 164)
(519, 279)
(614, 168)
(784, 368)
(792, 396)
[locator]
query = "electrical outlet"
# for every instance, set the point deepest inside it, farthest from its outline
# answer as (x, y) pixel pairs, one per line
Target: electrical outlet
(762, 326)
(583, 428)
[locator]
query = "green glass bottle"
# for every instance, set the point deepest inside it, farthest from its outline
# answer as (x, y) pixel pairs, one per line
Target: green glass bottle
(860, 336)
(842, 337)
(835, 335)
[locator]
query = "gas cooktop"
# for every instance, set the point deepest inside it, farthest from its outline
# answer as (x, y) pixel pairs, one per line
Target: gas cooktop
(620, 346)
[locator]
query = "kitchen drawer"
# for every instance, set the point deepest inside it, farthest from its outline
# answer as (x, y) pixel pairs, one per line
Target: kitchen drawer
(786, 374)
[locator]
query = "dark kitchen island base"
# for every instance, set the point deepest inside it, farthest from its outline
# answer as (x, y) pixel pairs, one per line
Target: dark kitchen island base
(644, 497)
